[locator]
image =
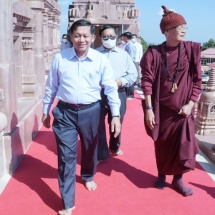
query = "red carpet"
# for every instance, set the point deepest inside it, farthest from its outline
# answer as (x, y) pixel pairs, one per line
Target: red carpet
(125, 183)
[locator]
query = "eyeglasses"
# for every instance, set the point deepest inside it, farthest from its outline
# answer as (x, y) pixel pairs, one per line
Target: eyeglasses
(181, 28)
(109, 37)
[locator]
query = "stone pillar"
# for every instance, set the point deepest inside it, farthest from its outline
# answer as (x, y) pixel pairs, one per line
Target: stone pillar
(39, 52)
(37, 7)
(50, 27)
(55, 34)
(45, 27)
(50, 36)
(29, 74)
(46, 42)
(7, 73)
(58, 34)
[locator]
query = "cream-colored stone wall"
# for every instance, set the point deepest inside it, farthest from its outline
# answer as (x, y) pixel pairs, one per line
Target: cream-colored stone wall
(28, 42)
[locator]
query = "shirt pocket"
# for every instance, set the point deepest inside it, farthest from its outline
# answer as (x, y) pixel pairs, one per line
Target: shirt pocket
(94, 78)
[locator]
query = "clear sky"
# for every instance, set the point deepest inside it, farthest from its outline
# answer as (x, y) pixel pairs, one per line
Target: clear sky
(200, 17)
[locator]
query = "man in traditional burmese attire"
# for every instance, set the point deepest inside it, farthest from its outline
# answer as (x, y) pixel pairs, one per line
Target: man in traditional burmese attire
(171, 82)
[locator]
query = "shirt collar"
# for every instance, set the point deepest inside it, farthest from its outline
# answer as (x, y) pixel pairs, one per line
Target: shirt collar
(103, 49)
(128, 43)
(90, 54)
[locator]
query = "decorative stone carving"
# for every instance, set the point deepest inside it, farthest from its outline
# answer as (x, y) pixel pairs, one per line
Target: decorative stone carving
(27, 43)
(14, 22)
(89, 14)
(205, 119)
(21, 18)
(133, 13)
(125, 14)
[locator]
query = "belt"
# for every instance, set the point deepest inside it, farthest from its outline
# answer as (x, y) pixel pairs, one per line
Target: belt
(77, 107)
(120, 90)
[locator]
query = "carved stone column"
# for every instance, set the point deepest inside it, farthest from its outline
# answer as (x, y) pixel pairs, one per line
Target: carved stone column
(45, 36)
(39, 52)
(45, 27)
(50, 38)
(7, 76)
(55, 34)
(29, 77)
(58, 34)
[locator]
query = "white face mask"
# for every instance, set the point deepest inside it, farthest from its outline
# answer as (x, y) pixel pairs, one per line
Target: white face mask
(123, 42)
(64, 40)
(133, 40)
(109, 44)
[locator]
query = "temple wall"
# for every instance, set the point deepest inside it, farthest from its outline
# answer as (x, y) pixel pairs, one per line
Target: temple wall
(28, 42)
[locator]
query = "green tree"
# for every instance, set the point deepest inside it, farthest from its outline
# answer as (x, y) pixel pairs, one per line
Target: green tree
(209, 44)
(144, 44)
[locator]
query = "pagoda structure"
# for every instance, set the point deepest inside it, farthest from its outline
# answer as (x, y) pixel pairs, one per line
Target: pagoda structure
(122, 14)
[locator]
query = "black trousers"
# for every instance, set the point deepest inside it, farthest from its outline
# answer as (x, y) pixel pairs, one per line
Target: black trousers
(130, 91)
(67, 125)
(114, 143)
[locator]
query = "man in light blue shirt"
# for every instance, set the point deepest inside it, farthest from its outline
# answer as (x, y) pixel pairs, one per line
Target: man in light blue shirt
(125, 75)
(76, 78)
(129, 47)
(139, 54)
(131, 50)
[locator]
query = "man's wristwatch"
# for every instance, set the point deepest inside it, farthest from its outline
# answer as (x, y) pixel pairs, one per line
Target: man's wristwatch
(115, 116)
(149, 107)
